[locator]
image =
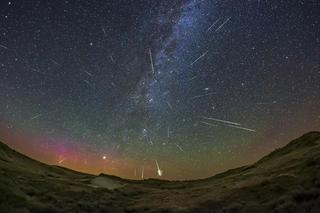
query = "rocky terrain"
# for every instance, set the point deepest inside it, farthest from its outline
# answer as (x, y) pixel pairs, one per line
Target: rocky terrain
(286, 180)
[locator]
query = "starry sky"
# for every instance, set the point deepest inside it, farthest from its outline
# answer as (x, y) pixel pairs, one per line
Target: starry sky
(178, 89)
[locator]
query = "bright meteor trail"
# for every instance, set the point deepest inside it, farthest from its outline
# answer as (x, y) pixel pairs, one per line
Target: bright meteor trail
(151, 61)
(201, 56)
(222, 121)
(159, 171)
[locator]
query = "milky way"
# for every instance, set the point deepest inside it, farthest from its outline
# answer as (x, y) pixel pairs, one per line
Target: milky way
(166, 89)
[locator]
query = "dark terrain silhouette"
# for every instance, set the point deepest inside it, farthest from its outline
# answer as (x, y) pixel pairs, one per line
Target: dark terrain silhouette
(286, 180)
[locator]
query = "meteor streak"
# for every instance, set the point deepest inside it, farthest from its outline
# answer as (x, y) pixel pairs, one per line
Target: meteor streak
(3, 46)
(55, 62)
(200, 96)
(61, 161)
(243, 128)
(151, 61)
(212, 25)
(104, 32)
(169, 105)
(112, 59)
(88, 73)
(36, 116)
(159, 171)
(209, 124)
(87, 82)
(179, 147)
(222, 121)
(226, 21)
(142, 173)
(194, 77)
(36, 70)
(201, 56)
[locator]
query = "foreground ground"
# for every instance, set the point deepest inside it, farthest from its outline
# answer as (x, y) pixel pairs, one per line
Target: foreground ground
(287, 180)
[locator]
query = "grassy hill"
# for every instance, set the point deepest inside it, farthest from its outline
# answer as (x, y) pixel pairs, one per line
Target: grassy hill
(286, 180)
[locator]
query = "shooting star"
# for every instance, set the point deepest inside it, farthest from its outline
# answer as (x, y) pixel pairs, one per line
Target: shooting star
(194, 77)
(169, 105)
(226, 21)
(88, 73)
(55, 62)
(4, 47)
(151, 61)
(179, 147)
(104, 32)
(165, 93)
(208, 124)
(112, 59)
(222, 121)
(87, 82)
(150, 141)
(201, 56)
(35, 117)
(243, 128)
(118, 146)
(36, 70)
(200, 96)
(212, 25)
(159, 171)
(61, 161)
(142, 173)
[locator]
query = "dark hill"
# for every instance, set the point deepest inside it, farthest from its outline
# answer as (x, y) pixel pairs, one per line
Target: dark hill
(286, 180)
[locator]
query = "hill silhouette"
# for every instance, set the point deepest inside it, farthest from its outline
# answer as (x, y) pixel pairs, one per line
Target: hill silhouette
(286, 180)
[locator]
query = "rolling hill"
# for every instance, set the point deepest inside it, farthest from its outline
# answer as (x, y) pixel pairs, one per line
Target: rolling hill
(286, 180)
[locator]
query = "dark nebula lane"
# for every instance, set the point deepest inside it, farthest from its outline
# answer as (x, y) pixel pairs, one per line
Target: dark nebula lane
(157, 89)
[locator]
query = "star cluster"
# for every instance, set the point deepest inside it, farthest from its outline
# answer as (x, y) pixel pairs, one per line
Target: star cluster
(147, 88)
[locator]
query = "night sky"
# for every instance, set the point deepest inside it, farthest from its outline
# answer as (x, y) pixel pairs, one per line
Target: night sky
(157, 89)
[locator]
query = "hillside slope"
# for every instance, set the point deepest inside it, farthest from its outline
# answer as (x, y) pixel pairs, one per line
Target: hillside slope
(286, 180)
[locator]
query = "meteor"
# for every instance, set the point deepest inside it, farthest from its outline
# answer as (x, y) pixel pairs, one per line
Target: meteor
(36, 116)
(112, 59)
(159, 171)
(194, 77)
(212, 25)
(3, 46)
(87, 82)
(200, 96)
(222, 121)
(36, 70)
(201, 56)
(88, 73)
(104, 32)
(243, 128)
(169, 105)
(54, 61)
(209, 124)
(61, 161)
(151, 61)
(179, 147)
(142, 173)
(226, 21)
